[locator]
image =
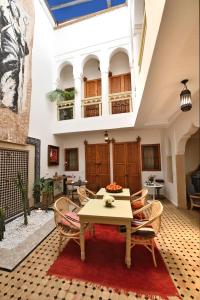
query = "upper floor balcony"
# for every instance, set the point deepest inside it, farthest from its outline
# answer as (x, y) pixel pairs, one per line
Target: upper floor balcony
(103, 100)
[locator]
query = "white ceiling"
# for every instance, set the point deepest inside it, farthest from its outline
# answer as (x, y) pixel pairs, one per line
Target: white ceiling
(176, 57)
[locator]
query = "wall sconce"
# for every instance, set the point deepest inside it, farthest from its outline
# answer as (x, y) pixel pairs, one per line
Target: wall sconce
(185, 97)
(107, 139)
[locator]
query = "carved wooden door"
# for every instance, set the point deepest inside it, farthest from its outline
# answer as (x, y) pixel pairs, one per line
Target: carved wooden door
(97, 160)
(127, 165)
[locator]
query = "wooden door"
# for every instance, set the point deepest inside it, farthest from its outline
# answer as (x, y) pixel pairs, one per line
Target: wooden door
(127, 165)
(97, 160)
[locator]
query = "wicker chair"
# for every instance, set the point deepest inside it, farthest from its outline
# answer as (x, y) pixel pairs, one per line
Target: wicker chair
(85, 195)
(195, 200)
(144, 231)
(138, 199)
(67, 220)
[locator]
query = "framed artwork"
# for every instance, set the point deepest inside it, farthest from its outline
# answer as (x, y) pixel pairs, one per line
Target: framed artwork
(53, 155)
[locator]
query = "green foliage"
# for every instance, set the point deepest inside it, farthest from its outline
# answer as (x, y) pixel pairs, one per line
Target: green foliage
(43, 187)
(37, 188)
(2, 223)
(23, 190)
(59, 95)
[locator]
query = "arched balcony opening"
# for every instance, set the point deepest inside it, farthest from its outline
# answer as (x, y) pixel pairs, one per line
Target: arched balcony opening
(66, 85)
(119, 83)
(91, 104)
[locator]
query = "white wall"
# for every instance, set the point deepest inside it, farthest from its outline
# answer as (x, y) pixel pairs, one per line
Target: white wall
(151, 136)
(41, 113)
(192, 153)
(178, 133)
(119, 63)
(154, 11)
(92, 31)
(91, 70)
(66, 77)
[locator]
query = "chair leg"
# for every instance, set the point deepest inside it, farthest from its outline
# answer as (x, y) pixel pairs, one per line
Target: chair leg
(153, 253)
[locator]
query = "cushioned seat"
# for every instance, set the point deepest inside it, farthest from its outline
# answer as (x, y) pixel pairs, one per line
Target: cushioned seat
(67, 220)
(138, 199)
(145, 230)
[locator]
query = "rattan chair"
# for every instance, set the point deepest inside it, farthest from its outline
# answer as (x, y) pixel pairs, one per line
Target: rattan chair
(138, 199)
(67, 221)
(144, 231)
(85, 195)
(195, 200)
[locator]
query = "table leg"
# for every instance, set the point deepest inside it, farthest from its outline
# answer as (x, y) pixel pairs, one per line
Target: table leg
(82, 241)
(154, 193)
(128, 245)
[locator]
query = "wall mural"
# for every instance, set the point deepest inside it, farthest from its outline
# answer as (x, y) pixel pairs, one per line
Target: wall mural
(16, 33)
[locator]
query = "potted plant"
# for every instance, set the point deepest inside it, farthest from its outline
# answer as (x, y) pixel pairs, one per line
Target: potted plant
(47, 193)
(151, 178)
(60, 95)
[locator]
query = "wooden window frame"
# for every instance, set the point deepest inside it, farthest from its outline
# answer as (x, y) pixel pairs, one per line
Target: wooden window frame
(67, 166)
(158, 162)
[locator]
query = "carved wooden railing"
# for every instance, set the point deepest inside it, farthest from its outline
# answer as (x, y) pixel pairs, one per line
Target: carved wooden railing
(120, 103)
(65, 110)
(91, 107)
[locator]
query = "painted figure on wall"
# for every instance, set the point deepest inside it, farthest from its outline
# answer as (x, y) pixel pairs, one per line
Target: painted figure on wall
(13, 50)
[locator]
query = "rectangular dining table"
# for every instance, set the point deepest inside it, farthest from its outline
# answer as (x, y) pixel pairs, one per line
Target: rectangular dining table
(124, 195)
(95, 211)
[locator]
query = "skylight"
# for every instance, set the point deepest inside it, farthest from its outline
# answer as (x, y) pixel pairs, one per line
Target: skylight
(66, 10)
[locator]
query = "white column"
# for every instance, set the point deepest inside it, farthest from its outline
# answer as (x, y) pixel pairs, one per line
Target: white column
(105, 93)
(133, 87)
(78, 96)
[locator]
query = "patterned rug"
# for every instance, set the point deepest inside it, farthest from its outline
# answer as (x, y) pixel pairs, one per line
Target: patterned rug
(104, 265)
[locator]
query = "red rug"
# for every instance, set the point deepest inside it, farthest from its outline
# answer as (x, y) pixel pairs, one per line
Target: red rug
(104, 265)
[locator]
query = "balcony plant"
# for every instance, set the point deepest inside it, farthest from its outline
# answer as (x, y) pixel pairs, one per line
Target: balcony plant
(60, 95)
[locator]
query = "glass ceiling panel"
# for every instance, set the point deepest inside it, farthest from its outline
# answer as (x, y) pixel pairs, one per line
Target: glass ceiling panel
(65, 10)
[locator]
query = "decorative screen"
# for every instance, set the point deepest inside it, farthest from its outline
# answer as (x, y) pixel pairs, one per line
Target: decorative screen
(11, 162)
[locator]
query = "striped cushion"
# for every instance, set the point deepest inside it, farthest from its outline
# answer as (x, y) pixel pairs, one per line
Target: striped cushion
(73, 218)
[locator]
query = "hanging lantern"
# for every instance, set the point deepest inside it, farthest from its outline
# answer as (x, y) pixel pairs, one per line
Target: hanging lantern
(185, 97)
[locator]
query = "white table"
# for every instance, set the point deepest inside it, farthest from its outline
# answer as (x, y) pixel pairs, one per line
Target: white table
(154, 186)
(95, 211)
(124, 195)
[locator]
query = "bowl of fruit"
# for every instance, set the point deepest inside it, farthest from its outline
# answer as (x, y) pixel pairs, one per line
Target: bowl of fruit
(114, 188)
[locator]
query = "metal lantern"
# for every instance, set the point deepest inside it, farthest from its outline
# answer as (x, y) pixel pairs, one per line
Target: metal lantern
(106, 138)
(185, 97)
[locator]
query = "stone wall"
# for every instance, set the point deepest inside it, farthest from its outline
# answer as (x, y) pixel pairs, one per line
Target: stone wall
(17, 24)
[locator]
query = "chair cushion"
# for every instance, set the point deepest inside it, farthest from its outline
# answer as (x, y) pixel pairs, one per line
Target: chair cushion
(136, 205)
(145, 232)
(74, 220)
(138, 222)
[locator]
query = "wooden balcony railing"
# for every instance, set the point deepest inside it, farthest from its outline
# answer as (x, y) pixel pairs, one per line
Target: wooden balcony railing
(65, 110)
(120, 103)
(91, 107)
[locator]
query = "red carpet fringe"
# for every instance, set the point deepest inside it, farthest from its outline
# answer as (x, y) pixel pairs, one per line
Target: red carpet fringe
(105, 267)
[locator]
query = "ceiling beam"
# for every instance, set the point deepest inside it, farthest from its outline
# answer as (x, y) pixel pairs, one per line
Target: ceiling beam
(72, 3)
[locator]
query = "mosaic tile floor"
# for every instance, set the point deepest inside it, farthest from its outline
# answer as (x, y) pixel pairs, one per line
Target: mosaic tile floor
(178, 242)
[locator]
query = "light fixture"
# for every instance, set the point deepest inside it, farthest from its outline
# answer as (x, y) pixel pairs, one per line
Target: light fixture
(106, 138)
(185, 97)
